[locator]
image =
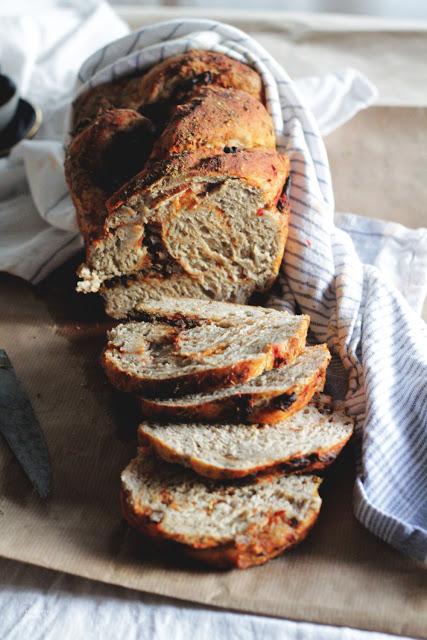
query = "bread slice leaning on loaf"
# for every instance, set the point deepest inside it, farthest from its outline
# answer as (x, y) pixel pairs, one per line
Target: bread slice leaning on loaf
(268, 398)
(310, 440)
(159, 359)
(222, 524)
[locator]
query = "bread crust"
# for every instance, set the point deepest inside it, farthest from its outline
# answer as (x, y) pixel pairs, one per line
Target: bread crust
(266, 170)
(199, 68)
(166, 84)
(87, 171)
(256, 547)
(216, 119)
(121, 94)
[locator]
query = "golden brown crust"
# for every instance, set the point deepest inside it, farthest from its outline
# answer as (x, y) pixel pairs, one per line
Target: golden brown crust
(210, 379)
(256, 547)
(166, 84)
(264, 170)
(216, 119)
(188, 71)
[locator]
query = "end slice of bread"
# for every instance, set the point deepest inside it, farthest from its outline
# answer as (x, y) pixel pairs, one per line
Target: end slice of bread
(158, 359)
(309, 440)
(224, 524)
(269, 398)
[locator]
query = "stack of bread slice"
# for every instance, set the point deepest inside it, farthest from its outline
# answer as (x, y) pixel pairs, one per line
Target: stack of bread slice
(236, 425)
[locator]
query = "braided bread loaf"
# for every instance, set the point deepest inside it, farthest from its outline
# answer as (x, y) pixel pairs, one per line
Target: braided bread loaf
(185, 199)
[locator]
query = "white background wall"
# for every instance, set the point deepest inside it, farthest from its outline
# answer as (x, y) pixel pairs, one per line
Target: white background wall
(391, 8)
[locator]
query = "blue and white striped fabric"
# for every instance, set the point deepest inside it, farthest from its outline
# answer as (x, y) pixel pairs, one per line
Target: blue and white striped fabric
(379, 342)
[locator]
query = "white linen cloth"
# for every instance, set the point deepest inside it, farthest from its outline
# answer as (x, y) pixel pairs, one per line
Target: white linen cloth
(46, 605)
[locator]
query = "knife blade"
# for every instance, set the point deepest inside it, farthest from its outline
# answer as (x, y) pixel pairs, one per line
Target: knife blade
(21, 429)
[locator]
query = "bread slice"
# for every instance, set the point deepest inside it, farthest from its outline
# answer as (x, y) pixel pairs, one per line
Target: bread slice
(122, 296)
(174, 300)
(310, 440)
(271, 397)
(189, 312)
(223, 524)
(155, 358)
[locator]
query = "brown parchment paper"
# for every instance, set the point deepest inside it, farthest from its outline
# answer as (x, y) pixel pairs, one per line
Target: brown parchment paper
(341, 575)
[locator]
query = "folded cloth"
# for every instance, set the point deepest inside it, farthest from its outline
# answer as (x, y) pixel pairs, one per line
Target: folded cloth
(378, 340)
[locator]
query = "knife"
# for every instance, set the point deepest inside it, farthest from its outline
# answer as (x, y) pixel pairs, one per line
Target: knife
(21, 429)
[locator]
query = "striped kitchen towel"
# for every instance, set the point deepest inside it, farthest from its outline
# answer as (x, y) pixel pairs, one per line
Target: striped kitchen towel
(379, 341)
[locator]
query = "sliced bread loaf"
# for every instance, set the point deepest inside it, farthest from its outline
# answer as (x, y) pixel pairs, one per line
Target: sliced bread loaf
(272, 396)
(217, 220)
(310, 440)
(148, 358)
(227, 525)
